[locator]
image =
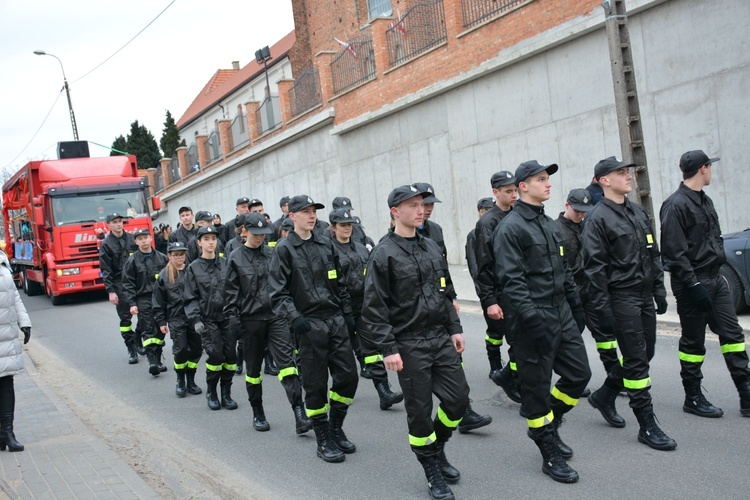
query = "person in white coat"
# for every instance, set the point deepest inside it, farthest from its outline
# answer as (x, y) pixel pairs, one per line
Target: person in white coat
(12, 315)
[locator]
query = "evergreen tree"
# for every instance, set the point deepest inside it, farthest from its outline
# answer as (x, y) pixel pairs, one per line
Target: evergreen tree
(170, 137)
(120, 144)
(142, 144)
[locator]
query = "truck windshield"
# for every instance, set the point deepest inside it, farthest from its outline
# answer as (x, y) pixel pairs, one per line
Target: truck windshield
(94, 207)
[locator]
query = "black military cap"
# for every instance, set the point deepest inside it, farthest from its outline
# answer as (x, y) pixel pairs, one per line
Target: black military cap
(177, 246)
(184, 209)
(114, 216)
(502, 178)
(284, 200)
(257, 224)
(342, 202)
(485, 203)
(141, 231)
(429, 192)
(580, 200)
(206, 230)
(693, 160)
(609, 165)
(203, 215)
(242, 200)
(302, 201)
(287, 224)
(406, 192)
(342, 215)
(254, 203)
(532, 167)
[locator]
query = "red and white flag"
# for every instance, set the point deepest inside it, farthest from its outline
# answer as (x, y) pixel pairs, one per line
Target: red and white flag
(347, 46)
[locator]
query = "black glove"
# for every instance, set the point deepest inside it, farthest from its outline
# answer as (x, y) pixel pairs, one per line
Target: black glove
(700, 297)
(661, 304)
(235, 331)
(580, 317)
(606, 323)
(200, 328)
(300, 326)
(533, 329)
(26, 334)
(351, 325)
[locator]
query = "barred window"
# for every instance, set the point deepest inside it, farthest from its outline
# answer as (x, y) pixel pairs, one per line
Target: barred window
(376, 8)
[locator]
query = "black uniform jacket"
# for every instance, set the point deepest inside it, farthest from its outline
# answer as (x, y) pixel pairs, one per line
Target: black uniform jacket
(183, 235)
(488, 290)
(353, 259)
(433, 231)
(113, 253)
(306, 279)
(620, 253)
(571, 238)
(140, 273)
(531, 263)
(691, 241)
(167, 303)
(246, 292)
(204, 289)
(408, 292)
(471, 255)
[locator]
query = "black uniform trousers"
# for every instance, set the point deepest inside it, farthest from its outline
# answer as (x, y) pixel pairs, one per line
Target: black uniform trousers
(372, 359)
(147, 328)
(431, 366)
(123, 312)
(567, 357)
(635, 330)
(497, 329)
(221, 353)
(326, 347)
(186, 346)
(723, 322)
(606, 344)
(274, 334)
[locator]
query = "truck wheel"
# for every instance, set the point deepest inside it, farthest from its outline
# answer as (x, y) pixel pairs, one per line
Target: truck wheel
(736, 291)
(57, 299)
(30, 288)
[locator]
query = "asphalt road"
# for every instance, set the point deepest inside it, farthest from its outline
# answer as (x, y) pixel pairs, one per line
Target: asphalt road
(188, 450)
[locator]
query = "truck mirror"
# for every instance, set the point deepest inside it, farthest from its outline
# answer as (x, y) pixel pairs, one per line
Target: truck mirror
(38, 211)
(38, 201)
(156, 203)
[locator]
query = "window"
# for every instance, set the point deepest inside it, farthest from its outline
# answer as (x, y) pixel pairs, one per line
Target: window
(376, 8)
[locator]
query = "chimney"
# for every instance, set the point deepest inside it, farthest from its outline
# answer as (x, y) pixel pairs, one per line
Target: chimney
(235, 65)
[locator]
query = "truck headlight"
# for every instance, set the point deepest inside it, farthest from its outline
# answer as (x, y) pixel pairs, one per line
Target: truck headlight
(71, 271)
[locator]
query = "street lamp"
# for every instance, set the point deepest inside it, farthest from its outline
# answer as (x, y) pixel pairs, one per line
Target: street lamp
(67, 92)
(263, 55)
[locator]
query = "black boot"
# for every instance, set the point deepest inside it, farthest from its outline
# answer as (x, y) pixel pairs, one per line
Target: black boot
(494, 357)
(553, 463)
(162, 367)
(504, 378)
(139, 344)
(439, 489)
(192, 388)
(7, 437)
(603, 400)
(302, 423)
(226, 395)
(338, 436)
(473, 420)
(388, 398)
(650, 433)
(259, 418)
(565, 450)
(270, 367)
(212, 380)
(327, 449)
(697, 404)
(744, 389)
(132, 353)
(153, 366)
(240, 358)
(181, 389)
(449, 473)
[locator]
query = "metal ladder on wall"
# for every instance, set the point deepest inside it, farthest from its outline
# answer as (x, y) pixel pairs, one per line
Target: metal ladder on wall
(626, 101)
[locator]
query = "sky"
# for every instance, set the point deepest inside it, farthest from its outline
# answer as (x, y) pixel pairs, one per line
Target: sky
(162, 69)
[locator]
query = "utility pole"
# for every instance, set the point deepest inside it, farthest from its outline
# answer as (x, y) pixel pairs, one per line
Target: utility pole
(626, 101)
(67, 92)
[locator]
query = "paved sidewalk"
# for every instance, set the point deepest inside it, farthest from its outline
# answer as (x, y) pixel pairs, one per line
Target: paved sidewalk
(467, 294)
(62, 458)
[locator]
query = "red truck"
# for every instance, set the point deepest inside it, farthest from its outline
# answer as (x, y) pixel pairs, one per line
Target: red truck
(54, 215)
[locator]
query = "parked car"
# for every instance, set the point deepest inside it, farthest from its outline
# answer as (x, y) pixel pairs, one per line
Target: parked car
(736, 271)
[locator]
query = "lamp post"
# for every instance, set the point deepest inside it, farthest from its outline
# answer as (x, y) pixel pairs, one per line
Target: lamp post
(263, 55)
(67, 92)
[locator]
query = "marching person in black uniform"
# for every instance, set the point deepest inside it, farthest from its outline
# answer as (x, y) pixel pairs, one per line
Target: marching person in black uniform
(408, 317)
(284, 206)
(248, 310)
(186, 229)
(432, 230)
(203, 219)
(693, 253)
(546, 315)
(169, 314)
(139, 274)
(489, 290)
(308, 289)
(623, 268)
(204, 307)
(113, 253)
(483, 205)
(353, 259)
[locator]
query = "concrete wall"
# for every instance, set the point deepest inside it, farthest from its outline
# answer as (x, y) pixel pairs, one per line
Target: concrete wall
(693, 71)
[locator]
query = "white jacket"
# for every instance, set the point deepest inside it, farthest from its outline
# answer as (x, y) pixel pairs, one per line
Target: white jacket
(12, 315)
